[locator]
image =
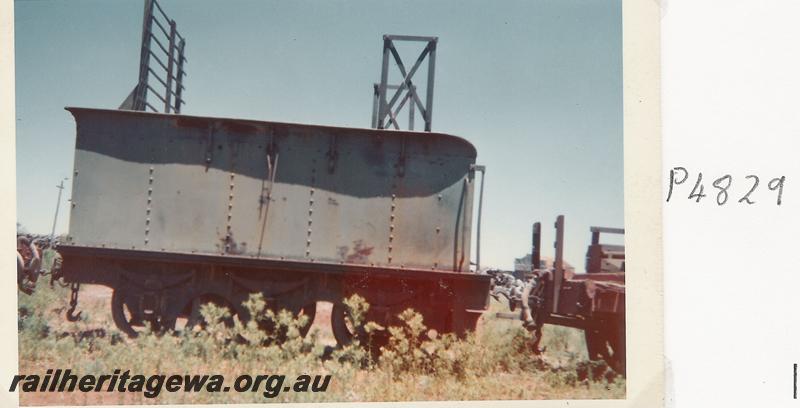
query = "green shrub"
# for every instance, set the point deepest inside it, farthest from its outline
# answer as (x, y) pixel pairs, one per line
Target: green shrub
(413, 362)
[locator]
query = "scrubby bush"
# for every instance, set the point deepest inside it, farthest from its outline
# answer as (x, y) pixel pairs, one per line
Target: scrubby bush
(412, 363)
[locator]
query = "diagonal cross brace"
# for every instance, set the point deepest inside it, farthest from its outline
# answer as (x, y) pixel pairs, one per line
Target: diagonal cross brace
(393, 115)
(407, 77)
(385, 114)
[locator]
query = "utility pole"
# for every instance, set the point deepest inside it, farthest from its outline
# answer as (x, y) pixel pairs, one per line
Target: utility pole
(60, 188)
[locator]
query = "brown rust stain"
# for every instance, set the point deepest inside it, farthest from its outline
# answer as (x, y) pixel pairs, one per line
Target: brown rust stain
(229, 245)
(359, 254)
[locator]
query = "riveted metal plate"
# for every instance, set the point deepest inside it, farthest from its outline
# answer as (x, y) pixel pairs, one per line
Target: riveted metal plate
(185, 184)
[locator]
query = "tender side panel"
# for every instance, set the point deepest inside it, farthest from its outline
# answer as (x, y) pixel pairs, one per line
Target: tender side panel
(109, 192)
(350, 214)
(189, 199)
(436, 225)
(184, 184)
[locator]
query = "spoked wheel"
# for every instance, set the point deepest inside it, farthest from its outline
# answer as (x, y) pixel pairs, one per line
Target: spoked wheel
(344, 331)
(130, 322)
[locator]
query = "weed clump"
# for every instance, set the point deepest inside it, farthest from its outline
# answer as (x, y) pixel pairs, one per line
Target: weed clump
(405, 361)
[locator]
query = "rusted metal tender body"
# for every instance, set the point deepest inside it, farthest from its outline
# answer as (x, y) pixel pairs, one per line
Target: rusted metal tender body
(172, 211)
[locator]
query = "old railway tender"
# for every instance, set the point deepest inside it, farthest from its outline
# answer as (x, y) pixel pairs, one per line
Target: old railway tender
(173, 211)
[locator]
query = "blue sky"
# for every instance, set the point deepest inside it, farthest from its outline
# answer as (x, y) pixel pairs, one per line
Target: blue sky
(536, 86)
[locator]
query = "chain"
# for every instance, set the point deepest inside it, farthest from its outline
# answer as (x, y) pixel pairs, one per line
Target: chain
(73, 296)
(73, 303)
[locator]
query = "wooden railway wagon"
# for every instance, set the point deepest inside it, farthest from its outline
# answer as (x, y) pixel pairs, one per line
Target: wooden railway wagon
(173, 211)
(593, 301)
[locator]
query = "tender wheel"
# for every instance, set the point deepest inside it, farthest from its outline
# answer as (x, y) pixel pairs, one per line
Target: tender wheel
(127, 319)
(342, 326)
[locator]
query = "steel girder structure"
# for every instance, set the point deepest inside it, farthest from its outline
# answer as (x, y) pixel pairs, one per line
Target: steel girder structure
(385, 109)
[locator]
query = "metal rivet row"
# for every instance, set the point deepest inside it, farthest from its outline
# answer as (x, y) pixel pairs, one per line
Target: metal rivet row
(148, 208)
(391, 228)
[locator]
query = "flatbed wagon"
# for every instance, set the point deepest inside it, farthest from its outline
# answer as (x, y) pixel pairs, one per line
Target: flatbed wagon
(593, 301)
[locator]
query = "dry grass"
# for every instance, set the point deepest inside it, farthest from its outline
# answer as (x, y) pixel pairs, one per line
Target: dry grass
(494, 363)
